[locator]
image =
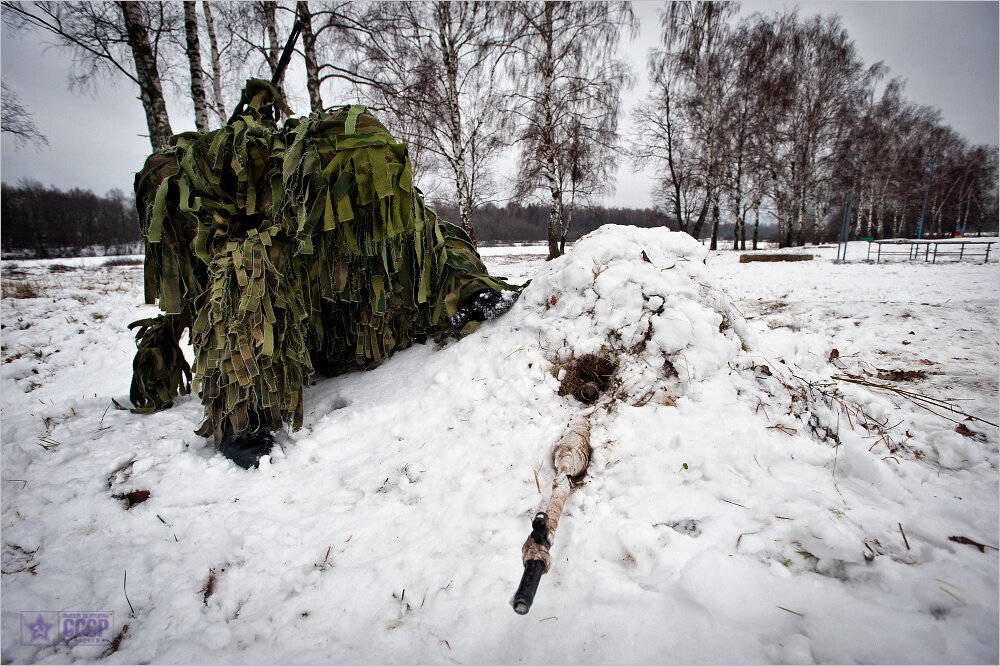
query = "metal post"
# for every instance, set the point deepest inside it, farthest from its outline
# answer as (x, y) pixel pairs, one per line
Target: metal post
(920, 230)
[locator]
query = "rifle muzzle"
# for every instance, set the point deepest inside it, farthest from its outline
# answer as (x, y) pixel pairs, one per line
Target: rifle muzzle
(533, 569)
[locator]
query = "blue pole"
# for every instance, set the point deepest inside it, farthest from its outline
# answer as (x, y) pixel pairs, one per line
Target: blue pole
(920, 231)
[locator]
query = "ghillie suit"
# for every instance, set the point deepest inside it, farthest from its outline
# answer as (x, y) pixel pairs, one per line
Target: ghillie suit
(288, 250)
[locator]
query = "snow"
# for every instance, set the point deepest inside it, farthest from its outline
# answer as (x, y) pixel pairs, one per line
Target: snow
(720, 521)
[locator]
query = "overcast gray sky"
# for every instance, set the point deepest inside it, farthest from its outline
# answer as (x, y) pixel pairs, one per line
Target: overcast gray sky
(947, 52)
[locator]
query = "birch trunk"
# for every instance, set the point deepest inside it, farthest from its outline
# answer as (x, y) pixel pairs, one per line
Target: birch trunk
(555, 190)
(219, 104)
(756, 226)
(965, 215)
(715, 224)
(738, 201)
(194, 64)
(800, 218)
(449, 56)
(980, 217)
(784, 231)
(552, 175)
(682, 222)
(274, 48)
(702, 214)
(871, 218)
(309, 51)
(567, 219)
(150, 90)
(962, 215)
(818, 231)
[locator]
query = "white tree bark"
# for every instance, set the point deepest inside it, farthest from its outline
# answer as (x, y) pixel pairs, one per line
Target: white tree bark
(273, 46)
(449, 57)
(219, 105)
(549, 148)
(148, 75)
(194, 64)
(309, 51)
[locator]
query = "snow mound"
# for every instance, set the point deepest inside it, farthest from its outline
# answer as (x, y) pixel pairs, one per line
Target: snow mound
(641, 296)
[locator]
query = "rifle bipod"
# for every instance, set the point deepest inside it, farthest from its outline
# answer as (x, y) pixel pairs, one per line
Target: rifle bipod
(571, 457)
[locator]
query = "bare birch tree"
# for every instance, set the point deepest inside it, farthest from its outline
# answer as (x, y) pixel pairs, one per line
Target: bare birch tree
(568, 84)
(253, 29)
(753, 99)
(661, 141)
(680, 124)
(116, 39)
(828, 81)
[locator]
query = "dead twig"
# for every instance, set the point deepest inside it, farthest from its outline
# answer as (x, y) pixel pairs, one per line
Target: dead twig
(969, 542)
(917, 398)
(115, 643)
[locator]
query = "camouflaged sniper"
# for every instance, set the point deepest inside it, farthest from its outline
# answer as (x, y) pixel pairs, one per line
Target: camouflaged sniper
(284, 250)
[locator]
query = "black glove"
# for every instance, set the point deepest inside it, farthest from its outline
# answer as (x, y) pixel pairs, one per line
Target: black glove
(484, 305)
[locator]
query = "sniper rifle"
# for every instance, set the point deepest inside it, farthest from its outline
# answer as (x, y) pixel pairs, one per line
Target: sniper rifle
(279, 69)
(571, 457)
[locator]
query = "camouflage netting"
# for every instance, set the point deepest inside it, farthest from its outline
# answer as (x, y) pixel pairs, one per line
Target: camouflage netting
(160, 370)
(287, 247)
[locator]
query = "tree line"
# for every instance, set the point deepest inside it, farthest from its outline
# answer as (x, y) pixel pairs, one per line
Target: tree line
(779, 115)
(766, 118)
(529, 222)
(40, 222)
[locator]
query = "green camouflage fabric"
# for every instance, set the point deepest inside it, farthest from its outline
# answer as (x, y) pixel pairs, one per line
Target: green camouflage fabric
(159, 370)
(286, 247)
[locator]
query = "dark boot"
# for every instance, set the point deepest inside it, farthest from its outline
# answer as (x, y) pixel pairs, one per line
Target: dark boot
(246, 451)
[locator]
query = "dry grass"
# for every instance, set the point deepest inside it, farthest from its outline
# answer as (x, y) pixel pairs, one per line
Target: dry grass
(122, 261)
(587, 377)
(21, 289)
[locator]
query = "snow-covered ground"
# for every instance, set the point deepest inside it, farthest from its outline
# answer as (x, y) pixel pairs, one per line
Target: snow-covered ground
(741, 506)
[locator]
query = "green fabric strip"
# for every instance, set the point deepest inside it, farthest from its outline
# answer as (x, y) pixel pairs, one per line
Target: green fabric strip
(352, 118)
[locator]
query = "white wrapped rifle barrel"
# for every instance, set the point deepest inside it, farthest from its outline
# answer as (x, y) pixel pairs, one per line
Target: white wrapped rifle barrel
(571, 457)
